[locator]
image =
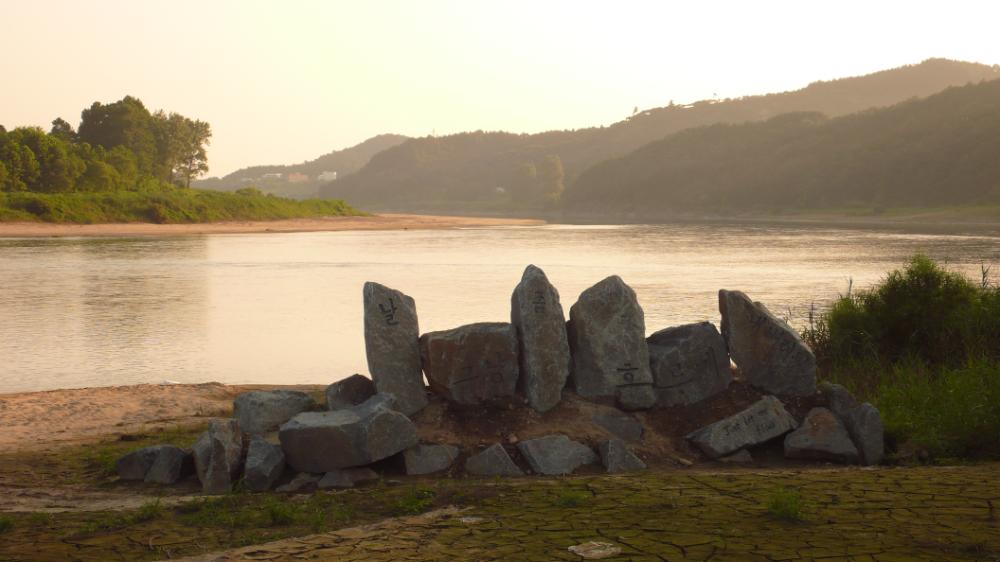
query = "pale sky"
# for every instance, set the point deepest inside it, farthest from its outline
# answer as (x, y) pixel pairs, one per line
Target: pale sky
(283, 82)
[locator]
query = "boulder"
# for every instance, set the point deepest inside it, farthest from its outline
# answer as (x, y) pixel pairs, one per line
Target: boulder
(762, 421)
(427, 459)
(821, 437)
(555, 454)
(471, 364)
(391, 345)
(770, 354)
(346, 478)
(261, 411)
(170, 466)
(742, 456)
(492, 461)
(302, 482)
(135, 465)
(264, 465)
(619, 424)
(349, 392)
(689, 364)
(607, 337)
(616, 457)
(320, 442)
(863, 422)
(218, 456)
(537, 317)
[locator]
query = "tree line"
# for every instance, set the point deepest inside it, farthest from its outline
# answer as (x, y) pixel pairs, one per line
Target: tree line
(119, 146)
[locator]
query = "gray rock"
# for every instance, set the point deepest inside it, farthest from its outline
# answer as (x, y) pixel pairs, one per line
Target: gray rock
(391, 345)
(471, 364)
(742, 456)
(261, 411)
(607, 337)
(863, 422)
(616, 457)
(427, 459)
(821, 437)
(346, 478)
(689, 364)
(171, 465)
(349, 392)
(303, 482)
(264, 465)
(492, 461)
(320, 442)
(136, 464)
(619, 424)
(769, 353)
(537, 317)
(555, 454)
(218, 456)
(762, 421)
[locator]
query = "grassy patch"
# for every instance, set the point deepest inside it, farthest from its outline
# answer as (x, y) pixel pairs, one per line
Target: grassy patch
(100, 460)
(572, 497)
(785, 504)
(6, 524)
(415, 500)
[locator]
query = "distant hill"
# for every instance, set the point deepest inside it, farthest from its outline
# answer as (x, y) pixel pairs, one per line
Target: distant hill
(303, 180)
(939, 150)
(499, 171)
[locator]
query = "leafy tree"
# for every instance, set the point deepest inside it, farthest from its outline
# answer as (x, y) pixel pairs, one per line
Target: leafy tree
(124, 123)
(182, 146)
(22, 167)
(62, 130)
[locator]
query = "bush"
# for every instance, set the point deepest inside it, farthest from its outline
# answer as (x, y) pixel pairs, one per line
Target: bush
(785, 504)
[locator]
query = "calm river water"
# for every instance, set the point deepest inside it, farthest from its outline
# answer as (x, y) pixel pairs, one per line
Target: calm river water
(286, 308)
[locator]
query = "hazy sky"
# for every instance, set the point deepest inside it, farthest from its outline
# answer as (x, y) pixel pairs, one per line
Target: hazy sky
(283, 82)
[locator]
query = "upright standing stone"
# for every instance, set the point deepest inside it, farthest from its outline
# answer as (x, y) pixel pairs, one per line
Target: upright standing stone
(218, 456)
(761, 422)
(471, 364)
(821, 437)
(607, 336)
(537, 316)
(689, 364)
(392, 346)
(769, 353)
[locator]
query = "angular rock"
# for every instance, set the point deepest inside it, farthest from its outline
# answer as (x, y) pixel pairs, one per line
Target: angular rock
(762, 421)
(537, 317)
(392, 348)
(607, 337)
(556, 454)
(320, 442)
(302, 482)
(863, 422)
(349, 392)
(492, 461)
(136, 464)
(742, 456)
(346, 478)
(171, 465)
(471, 364)
(689, 364)
(821, 437)
(218, 456)
(770, 354)
(427, 459)
(261, 411)
(619, 424)
(616, 457)
(264, 465)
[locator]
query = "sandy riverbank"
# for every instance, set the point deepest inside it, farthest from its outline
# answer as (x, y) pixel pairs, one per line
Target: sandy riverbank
(327, 224)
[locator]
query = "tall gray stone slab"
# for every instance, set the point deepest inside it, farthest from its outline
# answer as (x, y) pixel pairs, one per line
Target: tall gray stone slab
(616, 457)
(492, 461)
(556, 454)
(392, 346)
(607, 337)
(821, 437)
(171, 464)
(689, 364)
(428, 459)
(260, 411)
(218, 456)
(471, 364)
(770, 354)
(537, 317)
(863, 422)
(349, 392)
(264, 465)
(762, 421)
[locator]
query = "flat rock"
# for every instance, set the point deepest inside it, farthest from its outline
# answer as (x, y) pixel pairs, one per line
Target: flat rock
(863, 422)
(764, 420)
(135, 465)
(770, 354)
(346, 478)
(619, 424)
(302, 482)
(471, 364)
(349, 392)
(170, 466)
(264, 465)
(821, 437)
(689, 364)
(320, 442)
(492, 461)
(218, 456)
(556, 454)
(537, 317)
(260, 411)
(616, 457)
(607, 338)
(392, 346)
(427, 459)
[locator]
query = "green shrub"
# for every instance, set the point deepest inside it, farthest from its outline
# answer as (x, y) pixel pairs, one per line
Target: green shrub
(572, 498)
(785, 504)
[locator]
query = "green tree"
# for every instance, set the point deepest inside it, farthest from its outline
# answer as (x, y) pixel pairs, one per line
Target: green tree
(124, 123)
(183, 142)
(58, 168)
(62, 130)
(22, 167)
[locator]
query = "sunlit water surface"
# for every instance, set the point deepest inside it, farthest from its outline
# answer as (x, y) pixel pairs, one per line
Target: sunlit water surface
(286, 308)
